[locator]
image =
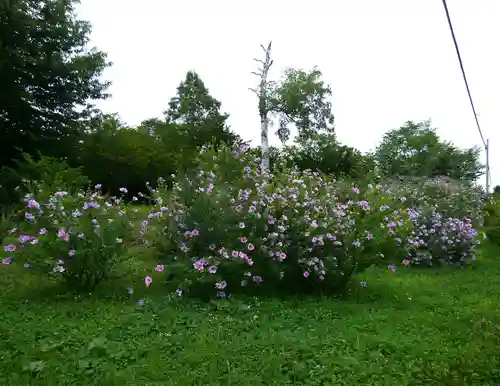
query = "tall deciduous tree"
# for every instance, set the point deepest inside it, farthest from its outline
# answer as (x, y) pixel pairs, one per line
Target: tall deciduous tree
(47, 77)
(196, 112)
(416, 150)
(299, 99)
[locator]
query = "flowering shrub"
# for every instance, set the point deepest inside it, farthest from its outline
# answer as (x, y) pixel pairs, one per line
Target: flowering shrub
(444, 223)
(257, 229)
(461, 202)
(441, 239)
(78, 236)
(229, 226)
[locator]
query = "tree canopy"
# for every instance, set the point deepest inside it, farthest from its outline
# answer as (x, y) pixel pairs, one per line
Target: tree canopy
(197, 113)
(416, 150)
(48, 77)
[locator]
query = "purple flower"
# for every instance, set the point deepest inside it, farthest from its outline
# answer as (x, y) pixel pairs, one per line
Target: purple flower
(9, 248)
(33, 204)
(200, 265)
(221, 285)
(62, 234)
(24, 239)
(90, 204)
(60, 194)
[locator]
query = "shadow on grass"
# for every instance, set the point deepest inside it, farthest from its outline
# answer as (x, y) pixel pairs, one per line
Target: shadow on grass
(402, 289)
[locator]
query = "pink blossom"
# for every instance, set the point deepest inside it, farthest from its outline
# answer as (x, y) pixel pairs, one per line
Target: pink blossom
(9, 248)
(61, 233)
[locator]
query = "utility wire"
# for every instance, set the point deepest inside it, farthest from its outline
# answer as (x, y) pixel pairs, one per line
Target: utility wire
(463, 72)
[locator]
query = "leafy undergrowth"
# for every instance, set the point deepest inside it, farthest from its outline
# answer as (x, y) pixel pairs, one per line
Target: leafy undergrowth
(406, 328)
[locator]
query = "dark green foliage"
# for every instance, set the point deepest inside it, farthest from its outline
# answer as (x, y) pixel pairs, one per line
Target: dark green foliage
(117, 156)
(53, 172)
(323, 152)
(47, 77)
(492, 219)
(301, 98)
(416, 150)
(197, 114)
(126, 158)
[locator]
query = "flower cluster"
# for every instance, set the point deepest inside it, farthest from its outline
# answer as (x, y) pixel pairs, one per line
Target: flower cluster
(232, 227)
(438, 239)
(78, 236)
(259, 229)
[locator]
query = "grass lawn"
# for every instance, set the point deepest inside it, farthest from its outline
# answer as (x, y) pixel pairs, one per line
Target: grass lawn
(409, 328)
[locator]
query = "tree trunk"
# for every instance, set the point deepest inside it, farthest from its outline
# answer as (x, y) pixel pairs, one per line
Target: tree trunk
(264, 141)
(263, 103)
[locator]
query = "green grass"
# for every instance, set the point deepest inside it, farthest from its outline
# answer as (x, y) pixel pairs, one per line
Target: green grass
(410, 328)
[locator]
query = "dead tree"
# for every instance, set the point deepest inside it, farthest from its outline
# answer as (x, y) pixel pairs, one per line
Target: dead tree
(262, 93)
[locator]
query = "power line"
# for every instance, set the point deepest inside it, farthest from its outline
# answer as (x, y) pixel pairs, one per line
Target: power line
(463, 73)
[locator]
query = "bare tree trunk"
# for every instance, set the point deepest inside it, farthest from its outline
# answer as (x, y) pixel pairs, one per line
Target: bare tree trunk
(264, 129)
(263, 105)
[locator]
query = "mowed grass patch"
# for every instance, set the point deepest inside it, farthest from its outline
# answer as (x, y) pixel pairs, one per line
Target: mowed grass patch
(412, 327)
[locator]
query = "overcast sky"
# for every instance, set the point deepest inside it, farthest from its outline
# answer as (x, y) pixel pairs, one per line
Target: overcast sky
(387, 61)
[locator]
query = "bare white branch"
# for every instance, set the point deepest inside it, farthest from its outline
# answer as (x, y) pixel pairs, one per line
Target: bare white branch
(262, 93)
